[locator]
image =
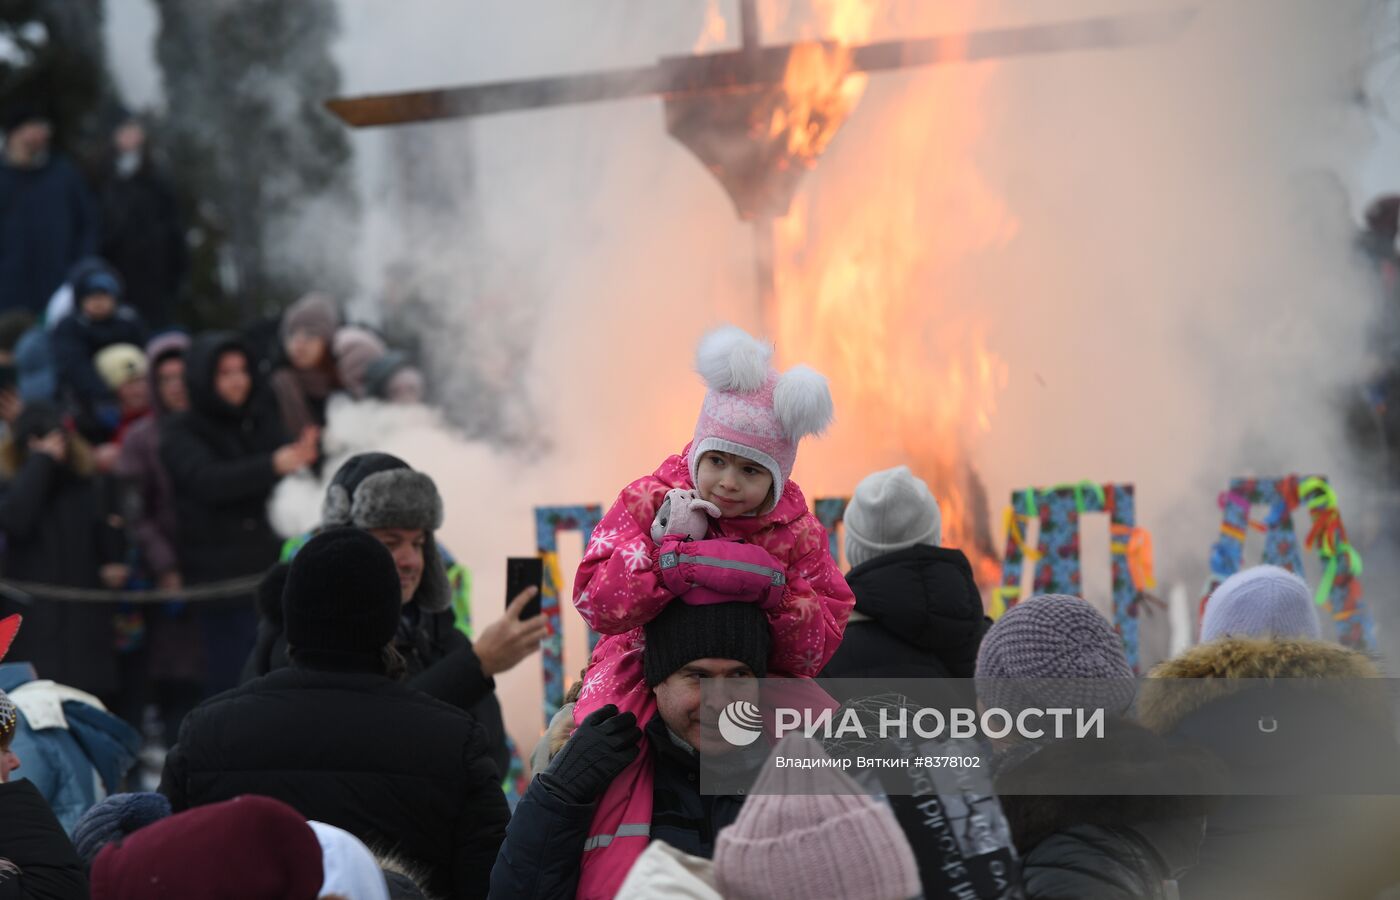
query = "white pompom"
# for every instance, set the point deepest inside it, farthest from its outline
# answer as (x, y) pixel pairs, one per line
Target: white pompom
(802, 402)
(730, 359)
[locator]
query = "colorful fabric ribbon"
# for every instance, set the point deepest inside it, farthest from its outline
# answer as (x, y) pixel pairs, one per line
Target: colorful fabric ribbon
(1012, 525)
(1328, 535)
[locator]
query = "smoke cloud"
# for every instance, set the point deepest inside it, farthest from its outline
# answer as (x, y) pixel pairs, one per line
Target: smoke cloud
(1165, 272)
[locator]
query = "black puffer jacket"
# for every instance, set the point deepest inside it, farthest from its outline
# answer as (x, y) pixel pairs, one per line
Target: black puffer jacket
(1090, 843)
(1094, 862)
(32, 839)
(922, 617)
(220, 464)
(400, 770)
(439, 661)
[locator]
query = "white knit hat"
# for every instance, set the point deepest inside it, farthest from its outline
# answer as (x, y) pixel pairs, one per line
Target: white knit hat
(1264, 601)
(890, 510)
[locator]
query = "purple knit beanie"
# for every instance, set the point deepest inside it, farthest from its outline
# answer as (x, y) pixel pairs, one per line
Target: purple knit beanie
(1054, 636)
(810, 834)
(1265, 601)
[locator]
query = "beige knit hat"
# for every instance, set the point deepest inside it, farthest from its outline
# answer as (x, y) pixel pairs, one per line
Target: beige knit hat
(119, 364)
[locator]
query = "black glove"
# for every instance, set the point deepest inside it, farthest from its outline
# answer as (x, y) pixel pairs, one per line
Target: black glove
(600, 748)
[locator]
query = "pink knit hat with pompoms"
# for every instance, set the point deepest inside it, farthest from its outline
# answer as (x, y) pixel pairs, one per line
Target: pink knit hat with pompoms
(752, 411)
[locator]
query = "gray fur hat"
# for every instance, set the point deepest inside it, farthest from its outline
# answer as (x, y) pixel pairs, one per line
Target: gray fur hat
(376, 490)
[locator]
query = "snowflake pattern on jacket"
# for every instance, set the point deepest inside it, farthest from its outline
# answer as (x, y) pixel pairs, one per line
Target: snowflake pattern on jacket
(618, 588)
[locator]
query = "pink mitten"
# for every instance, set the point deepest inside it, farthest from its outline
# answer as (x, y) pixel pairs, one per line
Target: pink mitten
(684, 513)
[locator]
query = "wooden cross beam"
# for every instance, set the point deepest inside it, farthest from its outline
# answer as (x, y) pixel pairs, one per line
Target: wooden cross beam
(753, 66)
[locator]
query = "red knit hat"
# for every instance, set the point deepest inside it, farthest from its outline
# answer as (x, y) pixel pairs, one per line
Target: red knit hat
(247, 848)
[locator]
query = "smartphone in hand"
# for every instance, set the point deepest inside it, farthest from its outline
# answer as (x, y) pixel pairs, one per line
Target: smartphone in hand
(523, 572)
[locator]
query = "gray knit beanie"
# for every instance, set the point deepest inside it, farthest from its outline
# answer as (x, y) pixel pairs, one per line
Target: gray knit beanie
(1054, 636)
(890, 510)
(114, 818)
(1265, 601)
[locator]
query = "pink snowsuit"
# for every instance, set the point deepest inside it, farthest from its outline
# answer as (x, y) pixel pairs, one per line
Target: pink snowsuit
(619, 588)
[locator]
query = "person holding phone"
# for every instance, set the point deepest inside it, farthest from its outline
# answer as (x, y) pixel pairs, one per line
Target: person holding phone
(401, 507)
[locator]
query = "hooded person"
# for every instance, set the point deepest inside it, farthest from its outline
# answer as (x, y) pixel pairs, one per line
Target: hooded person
(176, 660)
(401, 507)
(1305, 731)
(336, 738)
(247, 848)
(99, 320)
(307, 376)
(224, 455)
(62, 525)
(918, 610)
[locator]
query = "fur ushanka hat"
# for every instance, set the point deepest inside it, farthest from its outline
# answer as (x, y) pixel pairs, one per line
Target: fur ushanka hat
(376, 490)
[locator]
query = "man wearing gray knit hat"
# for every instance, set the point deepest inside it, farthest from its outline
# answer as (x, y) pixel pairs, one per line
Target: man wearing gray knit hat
(918, 610)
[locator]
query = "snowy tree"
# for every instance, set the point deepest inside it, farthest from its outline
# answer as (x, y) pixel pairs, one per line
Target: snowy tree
(267, 169)
(51, 52)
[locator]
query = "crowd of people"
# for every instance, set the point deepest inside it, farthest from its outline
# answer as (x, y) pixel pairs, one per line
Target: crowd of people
(332, 723)
(136, 456)
(361, 753)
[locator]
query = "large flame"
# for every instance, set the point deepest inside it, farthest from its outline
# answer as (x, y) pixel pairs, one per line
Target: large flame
(859, 265)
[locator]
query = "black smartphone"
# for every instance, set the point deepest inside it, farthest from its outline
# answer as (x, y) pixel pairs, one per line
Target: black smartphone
(9, 378)
(523, 572)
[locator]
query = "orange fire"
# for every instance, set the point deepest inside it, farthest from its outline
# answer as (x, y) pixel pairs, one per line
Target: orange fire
(866, 264)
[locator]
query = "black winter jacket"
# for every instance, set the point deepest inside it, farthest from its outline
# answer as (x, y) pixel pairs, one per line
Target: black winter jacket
(77, 340)
(923, 614)
(32, 839)
(220, 464)
(1093, 862)
(400, 770)
(439, 661)
(59, 530)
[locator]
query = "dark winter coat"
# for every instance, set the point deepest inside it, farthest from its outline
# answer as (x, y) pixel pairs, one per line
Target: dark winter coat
(919, 616)
(1296, 823)
(77, 340)
(1093, 843)
(540, 859)
(47, 223)
(438, 658)
(33, 841)
(398, 769)
(144, 240)
(59, 530)
(220, 463)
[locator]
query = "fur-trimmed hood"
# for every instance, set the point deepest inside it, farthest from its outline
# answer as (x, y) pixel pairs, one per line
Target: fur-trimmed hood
(1228, 666)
